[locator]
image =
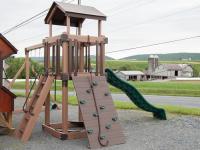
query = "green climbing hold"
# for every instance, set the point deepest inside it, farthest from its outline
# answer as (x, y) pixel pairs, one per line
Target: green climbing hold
(102, 137)
(108, 126)
(89, 131)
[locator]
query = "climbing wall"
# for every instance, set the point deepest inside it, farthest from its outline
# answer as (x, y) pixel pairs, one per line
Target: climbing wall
(98, 111)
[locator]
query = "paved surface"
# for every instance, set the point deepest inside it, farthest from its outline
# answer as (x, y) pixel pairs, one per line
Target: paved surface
(162, 100)
(141, 130)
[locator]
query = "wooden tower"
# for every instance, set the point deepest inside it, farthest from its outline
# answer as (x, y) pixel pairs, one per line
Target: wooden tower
(67, 57)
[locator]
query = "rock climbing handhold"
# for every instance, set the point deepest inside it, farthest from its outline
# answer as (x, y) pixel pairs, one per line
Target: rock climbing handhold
(106, 94)
(108, 126)
(94, 83)
(82, 102)
(102, 107)
(114, 119)
(88, 91)
(95, 115)
(102, 137)
(89, 131)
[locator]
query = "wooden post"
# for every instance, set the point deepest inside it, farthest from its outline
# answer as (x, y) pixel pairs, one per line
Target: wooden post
(27, 65)
(89, 61)
(97, 58)
(1, 71)
(50, 29)
(47, 101)
(76, 58)
(99, 28)
(68, 24)
(53, 58)
(65, 87)
(102, 58)
(81, 60)
(58, 58)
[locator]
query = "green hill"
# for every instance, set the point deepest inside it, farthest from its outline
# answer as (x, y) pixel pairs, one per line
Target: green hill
(168, 57)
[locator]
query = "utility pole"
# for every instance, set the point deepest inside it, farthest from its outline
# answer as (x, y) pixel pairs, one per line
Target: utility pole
(79, 2)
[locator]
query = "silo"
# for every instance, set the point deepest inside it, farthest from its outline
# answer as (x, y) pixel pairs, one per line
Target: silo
(152, 63)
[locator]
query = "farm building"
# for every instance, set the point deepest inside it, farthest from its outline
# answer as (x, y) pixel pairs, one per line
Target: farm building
(163, 71)
(130, 75)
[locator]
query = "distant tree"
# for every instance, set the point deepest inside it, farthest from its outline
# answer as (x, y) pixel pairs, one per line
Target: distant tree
(16, 63)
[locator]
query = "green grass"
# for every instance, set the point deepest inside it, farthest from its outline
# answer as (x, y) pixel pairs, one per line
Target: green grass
(130, 106)
(174, 88)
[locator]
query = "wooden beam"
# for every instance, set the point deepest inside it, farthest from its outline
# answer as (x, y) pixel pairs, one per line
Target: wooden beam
(35, 47)
(16, 76)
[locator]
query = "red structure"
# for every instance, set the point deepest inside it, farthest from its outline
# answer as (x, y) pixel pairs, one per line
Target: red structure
(6, 96)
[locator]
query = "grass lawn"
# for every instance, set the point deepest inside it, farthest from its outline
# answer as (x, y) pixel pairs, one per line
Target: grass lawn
(130, 105)
(173, 88)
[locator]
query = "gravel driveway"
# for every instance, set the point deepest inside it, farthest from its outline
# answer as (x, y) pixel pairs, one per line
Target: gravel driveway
(141, 130)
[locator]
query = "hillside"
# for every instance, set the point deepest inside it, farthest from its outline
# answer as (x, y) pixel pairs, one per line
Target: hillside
(168, 57)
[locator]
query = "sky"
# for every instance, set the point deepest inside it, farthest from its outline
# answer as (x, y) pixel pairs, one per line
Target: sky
(130, 23)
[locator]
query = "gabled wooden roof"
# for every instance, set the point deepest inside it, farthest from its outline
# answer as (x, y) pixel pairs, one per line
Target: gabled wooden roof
(6, 48)
(78, 13)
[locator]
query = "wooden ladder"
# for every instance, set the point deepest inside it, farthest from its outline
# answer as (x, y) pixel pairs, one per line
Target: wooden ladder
(34, 108)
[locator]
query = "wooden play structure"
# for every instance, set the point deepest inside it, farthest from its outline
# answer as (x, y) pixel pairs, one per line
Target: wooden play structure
(68, 57)
(6, 96)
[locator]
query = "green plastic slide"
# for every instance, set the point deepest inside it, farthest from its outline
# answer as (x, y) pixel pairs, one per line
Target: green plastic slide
(134, 95)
